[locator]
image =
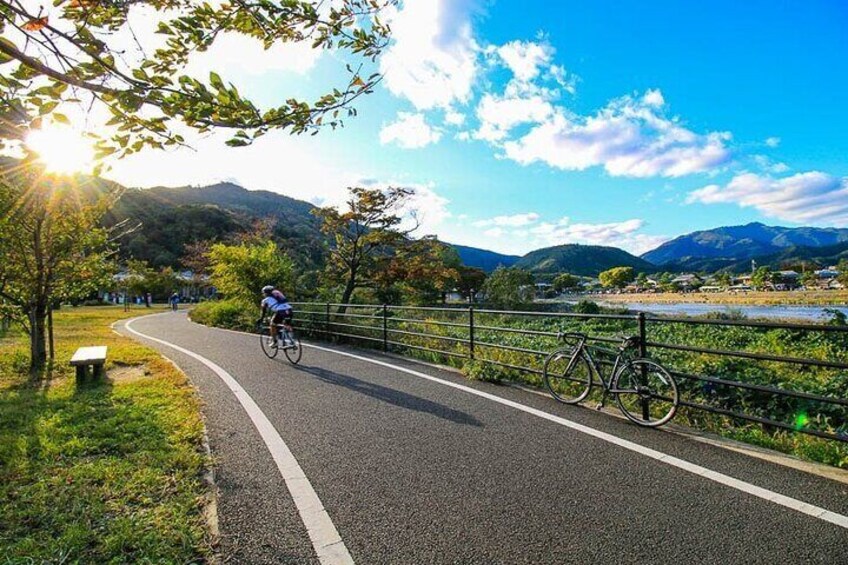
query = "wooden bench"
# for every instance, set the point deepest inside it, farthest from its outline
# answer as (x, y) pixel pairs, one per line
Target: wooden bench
(89, 356)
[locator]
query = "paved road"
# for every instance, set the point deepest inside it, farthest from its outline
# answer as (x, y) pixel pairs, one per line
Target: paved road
(411, 470)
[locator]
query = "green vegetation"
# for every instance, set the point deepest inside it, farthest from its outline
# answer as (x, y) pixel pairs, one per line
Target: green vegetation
(51, 247)
(149, 96)
(509, 288)
(105, 473)
(240, 271)
(583, 260)
(566, 281)
(617, 277)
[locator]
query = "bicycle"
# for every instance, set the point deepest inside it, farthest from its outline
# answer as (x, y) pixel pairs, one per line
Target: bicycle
(645, 391)
(290, 347)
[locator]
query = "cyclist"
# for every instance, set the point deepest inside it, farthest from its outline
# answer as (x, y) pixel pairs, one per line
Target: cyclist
(277, 303)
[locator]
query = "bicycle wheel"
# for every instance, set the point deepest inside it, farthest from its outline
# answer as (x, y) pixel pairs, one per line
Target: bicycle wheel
(293, 353)
(646, 393)
(567, 385)
(264, 336)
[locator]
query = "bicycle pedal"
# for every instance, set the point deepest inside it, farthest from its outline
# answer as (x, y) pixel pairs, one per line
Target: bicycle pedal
(600, 406)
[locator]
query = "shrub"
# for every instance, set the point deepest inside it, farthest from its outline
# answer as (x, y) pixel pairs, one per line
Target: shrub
(586, 307)
(231, 314)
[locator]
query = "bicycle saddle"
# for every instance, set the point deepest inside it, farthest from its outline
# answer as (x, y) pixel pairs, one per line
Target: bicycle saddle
(628, 342)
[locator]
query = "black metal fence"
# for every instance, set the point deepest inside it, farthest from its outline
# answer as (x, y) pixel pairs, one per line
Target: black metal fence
(789, 392)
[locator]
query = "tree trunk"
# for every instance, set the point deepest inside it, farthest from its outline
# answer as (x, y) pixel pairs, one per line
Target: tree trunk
(50, 334)
(348, 292)
(37, 339)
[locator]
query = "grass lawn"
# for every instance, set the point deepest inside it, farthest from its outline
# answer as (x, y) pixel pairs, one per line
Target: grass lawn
(106, 473)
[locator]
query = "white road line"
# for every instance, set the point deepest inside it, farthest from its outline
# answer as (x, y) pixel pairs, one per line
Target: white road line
(743, 486)
(326, 540)
(771, 496)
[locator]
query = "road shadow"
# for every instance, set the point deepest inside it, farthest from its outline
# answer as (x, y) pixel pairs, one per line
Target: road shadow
(392, 396)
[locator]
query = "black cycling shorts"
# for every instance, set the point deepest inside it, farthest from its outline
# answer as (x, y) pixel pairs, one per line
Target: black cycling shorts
(282, 316)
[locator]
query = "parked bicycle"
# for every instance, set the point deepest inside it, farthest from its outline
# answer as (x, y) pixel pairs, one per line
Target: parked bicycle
(287, 342)
(645, 391)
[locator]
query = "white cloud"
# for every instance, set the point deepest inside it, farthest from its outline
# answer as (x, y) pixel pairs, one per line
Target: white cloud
(616, 234)
(410, 131)
(654, 98)
(772, 141)
(628, 137)
(454, 118)
(294, 166)
(500, 115)
(525, 58)
(812, 197)
(515, 220)
(432, 61)
(520, 233)
(769, 166)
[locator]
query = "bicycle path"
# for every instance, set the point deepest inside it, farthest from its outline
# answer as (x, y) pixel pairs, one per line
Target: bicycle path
(426, 470)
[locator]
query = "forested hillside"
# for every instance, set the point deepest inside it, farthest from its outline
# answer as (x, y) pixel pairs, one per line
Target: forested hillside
(584, 260)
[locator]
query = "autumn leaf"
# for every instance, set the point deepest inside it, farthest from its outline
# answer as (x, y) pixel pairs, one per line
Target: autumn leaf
(35, 24)
(358, 82)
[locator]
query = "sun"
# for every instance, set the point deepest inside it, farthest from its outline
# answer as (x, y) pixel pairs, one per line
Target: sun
(61, 149)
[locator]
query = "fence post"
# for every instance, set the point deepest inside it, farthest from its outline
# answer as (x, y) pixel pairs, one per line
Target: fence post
(327, 322)
(385, 328)
(643, 351)
(471, 332)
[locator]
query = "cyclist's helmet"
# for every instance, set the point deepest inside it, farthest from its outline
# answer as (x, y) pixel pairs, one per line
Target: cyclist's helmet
(267, 289)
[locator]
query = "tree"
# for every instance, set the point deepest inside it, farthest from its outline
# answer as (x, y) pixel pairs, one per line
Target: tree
(471, 280)
(418, 272)
(842, 268)
(566, 281)
(666, 283)
(75, 55)
(240, 271)
(723, 279)
(761, 278)
(617, 277)
(509, 287)
(364, 232)
(642, 280)
(52, 248)
(809, 279)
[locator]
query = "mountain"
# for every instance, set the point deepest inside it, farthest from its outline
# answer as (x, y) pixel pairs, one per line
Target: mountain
(790, 257)
(171, 218)
(584, 260)
(483, 259)
(741, 243)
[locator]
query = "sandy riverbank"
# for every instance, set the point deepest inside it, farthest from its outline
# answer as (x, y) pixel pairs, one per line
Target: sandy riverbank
(794, 298)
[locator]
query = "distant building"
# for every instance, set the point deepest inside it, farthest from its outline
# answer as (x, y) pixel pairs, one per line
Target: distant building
(687, 281)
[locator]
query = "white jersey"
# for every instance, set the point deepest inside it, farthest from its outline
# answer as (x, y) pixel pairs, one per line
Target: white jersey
(277, 302)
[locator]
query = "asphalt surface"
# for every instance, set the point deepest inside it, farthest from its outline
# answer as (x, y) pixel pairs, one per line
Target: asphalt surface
(412, 471)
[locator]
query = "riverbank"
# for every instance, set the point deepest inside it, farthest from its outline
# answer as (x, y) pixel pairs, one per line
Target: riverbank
(109, 472)
(751, 298)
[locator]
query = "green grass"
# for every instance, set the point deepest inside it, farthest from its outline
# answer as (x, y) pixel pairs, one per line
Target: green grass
(104, 473)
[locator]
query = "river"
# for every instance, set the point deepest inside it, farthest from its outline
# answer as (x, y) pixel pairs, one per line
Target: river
(806, 313)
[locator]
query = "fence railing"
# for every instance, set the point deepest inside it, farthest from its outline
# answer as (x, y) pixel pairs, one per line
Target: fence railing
(789, 392)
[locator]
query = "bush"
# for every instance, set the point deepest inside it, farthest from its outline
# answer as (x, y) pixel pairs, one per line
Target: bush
(231, 314)
(586, 307)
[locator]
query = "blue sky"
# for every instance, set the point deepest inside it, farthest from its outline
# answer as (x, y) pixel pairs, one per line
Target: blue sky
(524, 124)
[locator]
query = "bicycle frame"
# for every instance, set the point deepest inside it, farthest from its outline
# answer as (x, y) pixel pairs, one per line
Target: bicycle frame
(622, 358)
